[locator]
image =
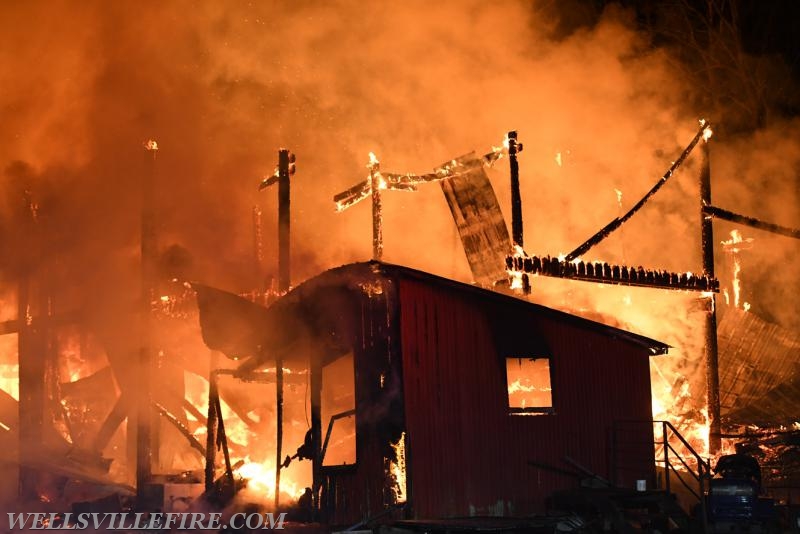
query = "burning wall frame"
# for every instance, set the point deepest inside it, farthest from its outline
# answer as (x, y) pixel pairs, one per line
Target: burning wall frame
(369, 308)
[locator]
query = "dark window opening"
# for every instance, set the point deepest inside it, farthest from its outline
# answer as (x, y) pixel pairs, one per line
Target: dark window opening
(338, 409)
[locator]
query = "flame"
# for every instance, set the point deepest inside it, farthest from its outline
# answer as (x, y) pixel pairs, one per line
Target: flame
(260, 478)
(737, 285)
(252, 443)
(517, 386)
(151, 144)
(734, 246)
(707, 132)
(397, 469)
(516, 279)
(373, 161)
(674, 403)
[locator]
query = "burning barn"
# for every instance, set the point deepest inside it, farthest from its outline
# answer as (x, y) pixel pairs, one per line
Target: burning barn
(434, 396)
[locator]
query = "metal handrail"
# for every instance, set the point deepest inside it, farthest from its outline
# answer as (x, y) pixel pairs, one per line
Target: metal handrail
(686, 444)
(689, 469)
(333, 419)
(703, 467)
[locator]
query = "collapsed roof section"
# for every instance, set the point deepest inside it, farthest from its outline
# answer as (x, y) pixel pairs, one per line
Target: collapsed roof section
(759, 370)
(318, 311)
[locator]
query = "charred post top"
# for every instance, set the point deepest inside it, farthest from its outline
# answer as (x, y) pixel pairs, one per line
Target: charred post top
(286, 161)
(707, 231)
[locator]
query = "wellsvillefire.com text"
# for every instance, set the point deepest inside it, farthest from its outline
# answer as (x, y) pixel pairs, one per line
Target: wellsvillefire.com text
(22, 522)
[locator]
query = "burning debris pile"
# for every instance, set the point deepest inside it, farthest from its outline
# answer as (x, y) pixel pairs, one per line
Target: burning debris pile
(778, 453)
(760, 370)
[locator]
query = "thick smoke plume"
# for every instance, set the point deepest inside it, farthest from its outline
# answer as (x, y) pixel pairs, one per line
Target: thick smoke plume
(221, 86)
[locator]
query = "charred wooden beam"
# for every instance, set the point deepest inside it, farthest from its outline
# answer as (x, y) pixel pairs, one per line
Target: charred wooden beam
(285, 168)
(604, 232)
(222, 437)
(180, 427)
(118, 413)
(604, 273)
(32, 347)
(406, 182)
(279, 425)
(31, 357)
(710, 330)
(144, 416)
(281, 176)
(516, 198)
(211, 429)
(316, 431)
(377, 216)
(752, 222)
(13, 326)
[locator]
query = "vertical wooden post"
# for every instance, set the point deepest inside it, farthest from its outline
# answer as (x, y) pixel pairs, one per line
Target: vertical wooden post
(30, 351)
(284, 199)
(377, 217)
(211, 425)
(144, 427)
(710, 327)
(221, 429)
(516, 197)
(285, 159)
(315, 368)
(666, 456)
(31, 360)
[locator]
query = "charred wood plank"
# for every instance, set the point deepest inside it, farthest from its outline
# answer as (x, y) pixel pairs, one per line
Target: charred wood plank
(752, 222)
(619, 221)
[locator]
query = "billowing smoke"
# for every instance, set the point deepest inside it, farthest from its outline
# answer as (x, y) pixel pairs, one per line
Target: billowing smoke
(220, 86)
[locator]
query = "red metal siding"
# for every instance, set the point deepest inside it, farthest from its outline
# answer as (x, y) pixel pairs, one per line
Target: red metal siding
(466, 454)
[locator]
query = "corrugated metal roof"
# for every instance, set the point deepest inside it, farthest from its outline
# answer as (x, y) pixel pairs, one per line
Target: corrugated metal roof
(759, 367)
